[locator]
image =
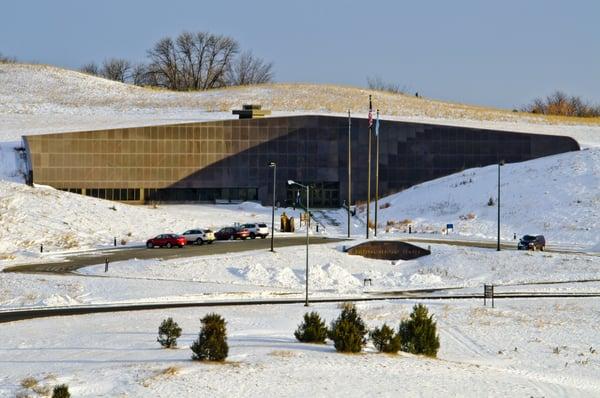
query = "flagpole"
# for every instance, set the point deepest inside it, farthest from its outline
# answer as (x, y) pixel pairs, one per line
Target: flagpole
(349, 168)
(369, 169)
(376, 170)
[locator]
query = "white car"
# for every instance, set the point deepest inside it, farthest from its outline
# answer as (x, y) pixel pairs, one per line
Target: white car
(261, 230)
(199, 236)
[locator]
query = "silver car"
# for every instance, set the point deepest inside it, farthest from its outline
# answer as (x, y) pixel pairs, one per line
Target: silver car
(199, 236)
(260, 229)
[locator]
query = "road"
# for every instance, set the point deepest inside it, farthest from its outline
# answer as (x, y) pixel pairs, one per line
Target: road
(25, 314)
(489, 244)
(73, 263)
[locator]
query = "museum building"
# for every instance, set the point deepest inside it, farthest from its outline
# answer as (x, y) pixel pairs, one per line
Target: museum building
(228, 160)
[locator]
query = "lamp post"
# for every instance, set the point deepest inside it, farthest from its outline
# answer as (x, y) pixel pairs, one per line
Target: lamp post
(273, 165)
(291, 182)
(501, 163)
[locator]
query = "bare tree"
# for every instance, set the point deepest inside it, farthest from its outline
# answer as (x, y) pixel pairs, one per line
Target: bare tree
(7, 60)
(116, 69)
(559, 103)
(91, 68)
(247, 69)
(164, 65)
(377, 83)
(140, 75)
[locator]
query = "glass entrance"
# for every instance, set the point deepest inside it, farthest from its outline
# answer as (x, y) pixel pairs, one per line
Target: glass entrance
(322, 194)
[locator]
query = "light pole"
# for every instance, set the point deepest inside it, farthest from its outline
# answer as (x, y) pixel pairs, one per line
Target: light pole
(273, 165)
(291, 182)
(501, 163)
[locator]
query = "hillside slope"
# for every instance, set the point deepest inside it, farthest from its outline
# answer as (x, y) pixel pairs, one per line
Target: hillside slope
(556, 196)
(39, 99)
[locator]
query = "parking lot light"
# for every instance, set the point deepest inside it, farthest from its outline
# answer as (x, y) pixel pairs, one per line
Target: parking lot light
(273, 165)
(307, 187)
(501, 163)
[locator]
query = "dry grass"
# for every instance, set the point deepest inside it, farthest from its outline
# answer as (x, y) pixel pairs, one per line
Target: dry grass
(170, 371)
(29, 382)
(43, 390)
(67, 241)
(283, 354)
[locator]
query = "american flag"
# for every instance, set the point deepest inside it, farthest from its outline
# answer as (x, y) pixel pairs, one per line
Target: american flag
(370, 117)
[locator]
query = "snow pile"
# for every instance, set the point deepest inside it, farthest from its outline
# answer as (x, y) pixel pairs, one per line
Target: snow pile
(30, 217)
(556, 196)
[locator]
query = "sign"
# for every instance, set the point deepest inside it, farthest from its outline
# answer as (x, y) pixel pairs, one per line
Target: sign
(449, 227)
(388, 250)
(488, 293)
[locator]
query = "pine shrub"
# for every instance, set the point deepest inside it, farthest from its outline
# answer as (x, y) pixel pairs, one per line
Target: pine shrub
(418, 333)
(385, 340)
(348, 330)
(211, 344)
(168, 332)
(61, 391)
(312, 329)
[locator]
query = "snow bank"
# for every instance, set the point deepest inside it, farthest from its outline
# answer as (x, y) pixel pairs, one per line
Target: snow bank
(556, 196)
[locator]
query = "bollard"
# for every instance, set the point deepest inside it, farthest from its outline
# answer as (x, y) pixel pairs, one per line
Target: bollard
(115, 241)
(106, 264)
(41, 248)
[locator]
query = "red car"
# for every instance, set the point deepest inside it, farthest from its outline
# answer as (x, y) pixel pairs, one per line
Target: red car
(168, 240)
(228, 233)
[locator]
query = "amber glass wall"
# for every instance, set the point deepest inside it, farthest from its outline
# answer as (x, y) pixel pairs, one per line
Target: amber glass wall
(229, 159)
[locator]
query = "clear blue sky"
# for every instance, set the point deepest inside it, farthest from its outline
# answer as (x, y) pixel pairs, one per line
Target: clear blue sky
(498, 53)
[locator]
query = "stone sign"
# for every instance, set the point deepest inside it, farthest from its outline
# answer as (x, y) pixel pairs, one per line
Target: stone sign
(388, 250)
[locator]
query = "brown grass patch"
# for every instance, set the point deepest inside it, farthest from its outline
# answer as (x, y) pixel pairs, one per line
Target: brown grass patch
(29, 382)
(283, 354)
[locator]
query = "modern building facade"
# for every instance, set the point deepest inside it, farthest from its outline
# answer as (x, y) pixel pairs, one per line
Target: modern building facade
(228, 160)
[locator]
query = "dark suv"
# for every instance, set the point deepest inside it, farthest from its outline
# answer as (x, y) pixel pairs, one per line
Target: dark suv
(531, 242)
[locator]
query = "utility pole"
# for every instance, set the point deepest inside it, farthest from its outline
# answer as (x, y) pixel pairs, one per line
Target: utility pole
(369, 167)
(501, 163)
(376, 170)
(349, 202)
(273, 165)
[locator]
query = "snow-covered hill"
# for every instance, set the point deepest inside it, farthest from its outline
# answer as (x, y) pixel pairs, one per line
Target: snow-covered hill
(557, 196)
(39, 99)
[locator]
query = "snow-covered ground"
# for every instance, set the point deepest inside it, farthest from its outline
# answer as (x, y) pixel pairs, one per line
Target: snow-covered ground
(67, 222)
(529, 348)
(332, 273)
(556, 196)
(541, 347)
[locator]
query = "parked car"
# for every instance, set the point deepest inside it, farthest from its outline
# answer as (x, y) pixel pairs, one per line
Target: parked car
(166, 240)
(261, 230)
(199, 236)
(532, 242)
(228, 233)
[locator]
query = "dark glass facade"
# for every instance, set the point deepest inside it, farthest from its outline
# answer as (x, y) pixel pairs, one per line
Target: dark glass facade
(228, 160)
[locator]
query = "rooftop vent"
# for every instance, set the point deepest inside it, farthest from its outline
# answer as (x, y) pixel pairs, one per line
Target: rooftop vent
(251, 111)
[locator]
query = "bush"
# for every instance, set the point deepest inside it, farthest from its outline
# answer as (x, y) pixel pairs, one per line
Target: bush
(211, 344)
(168, 332)
(312, 329)
(559, 103)
(61, 391)
(385, 340)
(418, 333)
(348, 330)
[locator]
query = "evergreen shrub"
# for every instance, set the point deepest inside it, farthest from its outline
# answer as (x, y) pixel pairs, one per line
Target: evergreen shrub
(211, 344)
